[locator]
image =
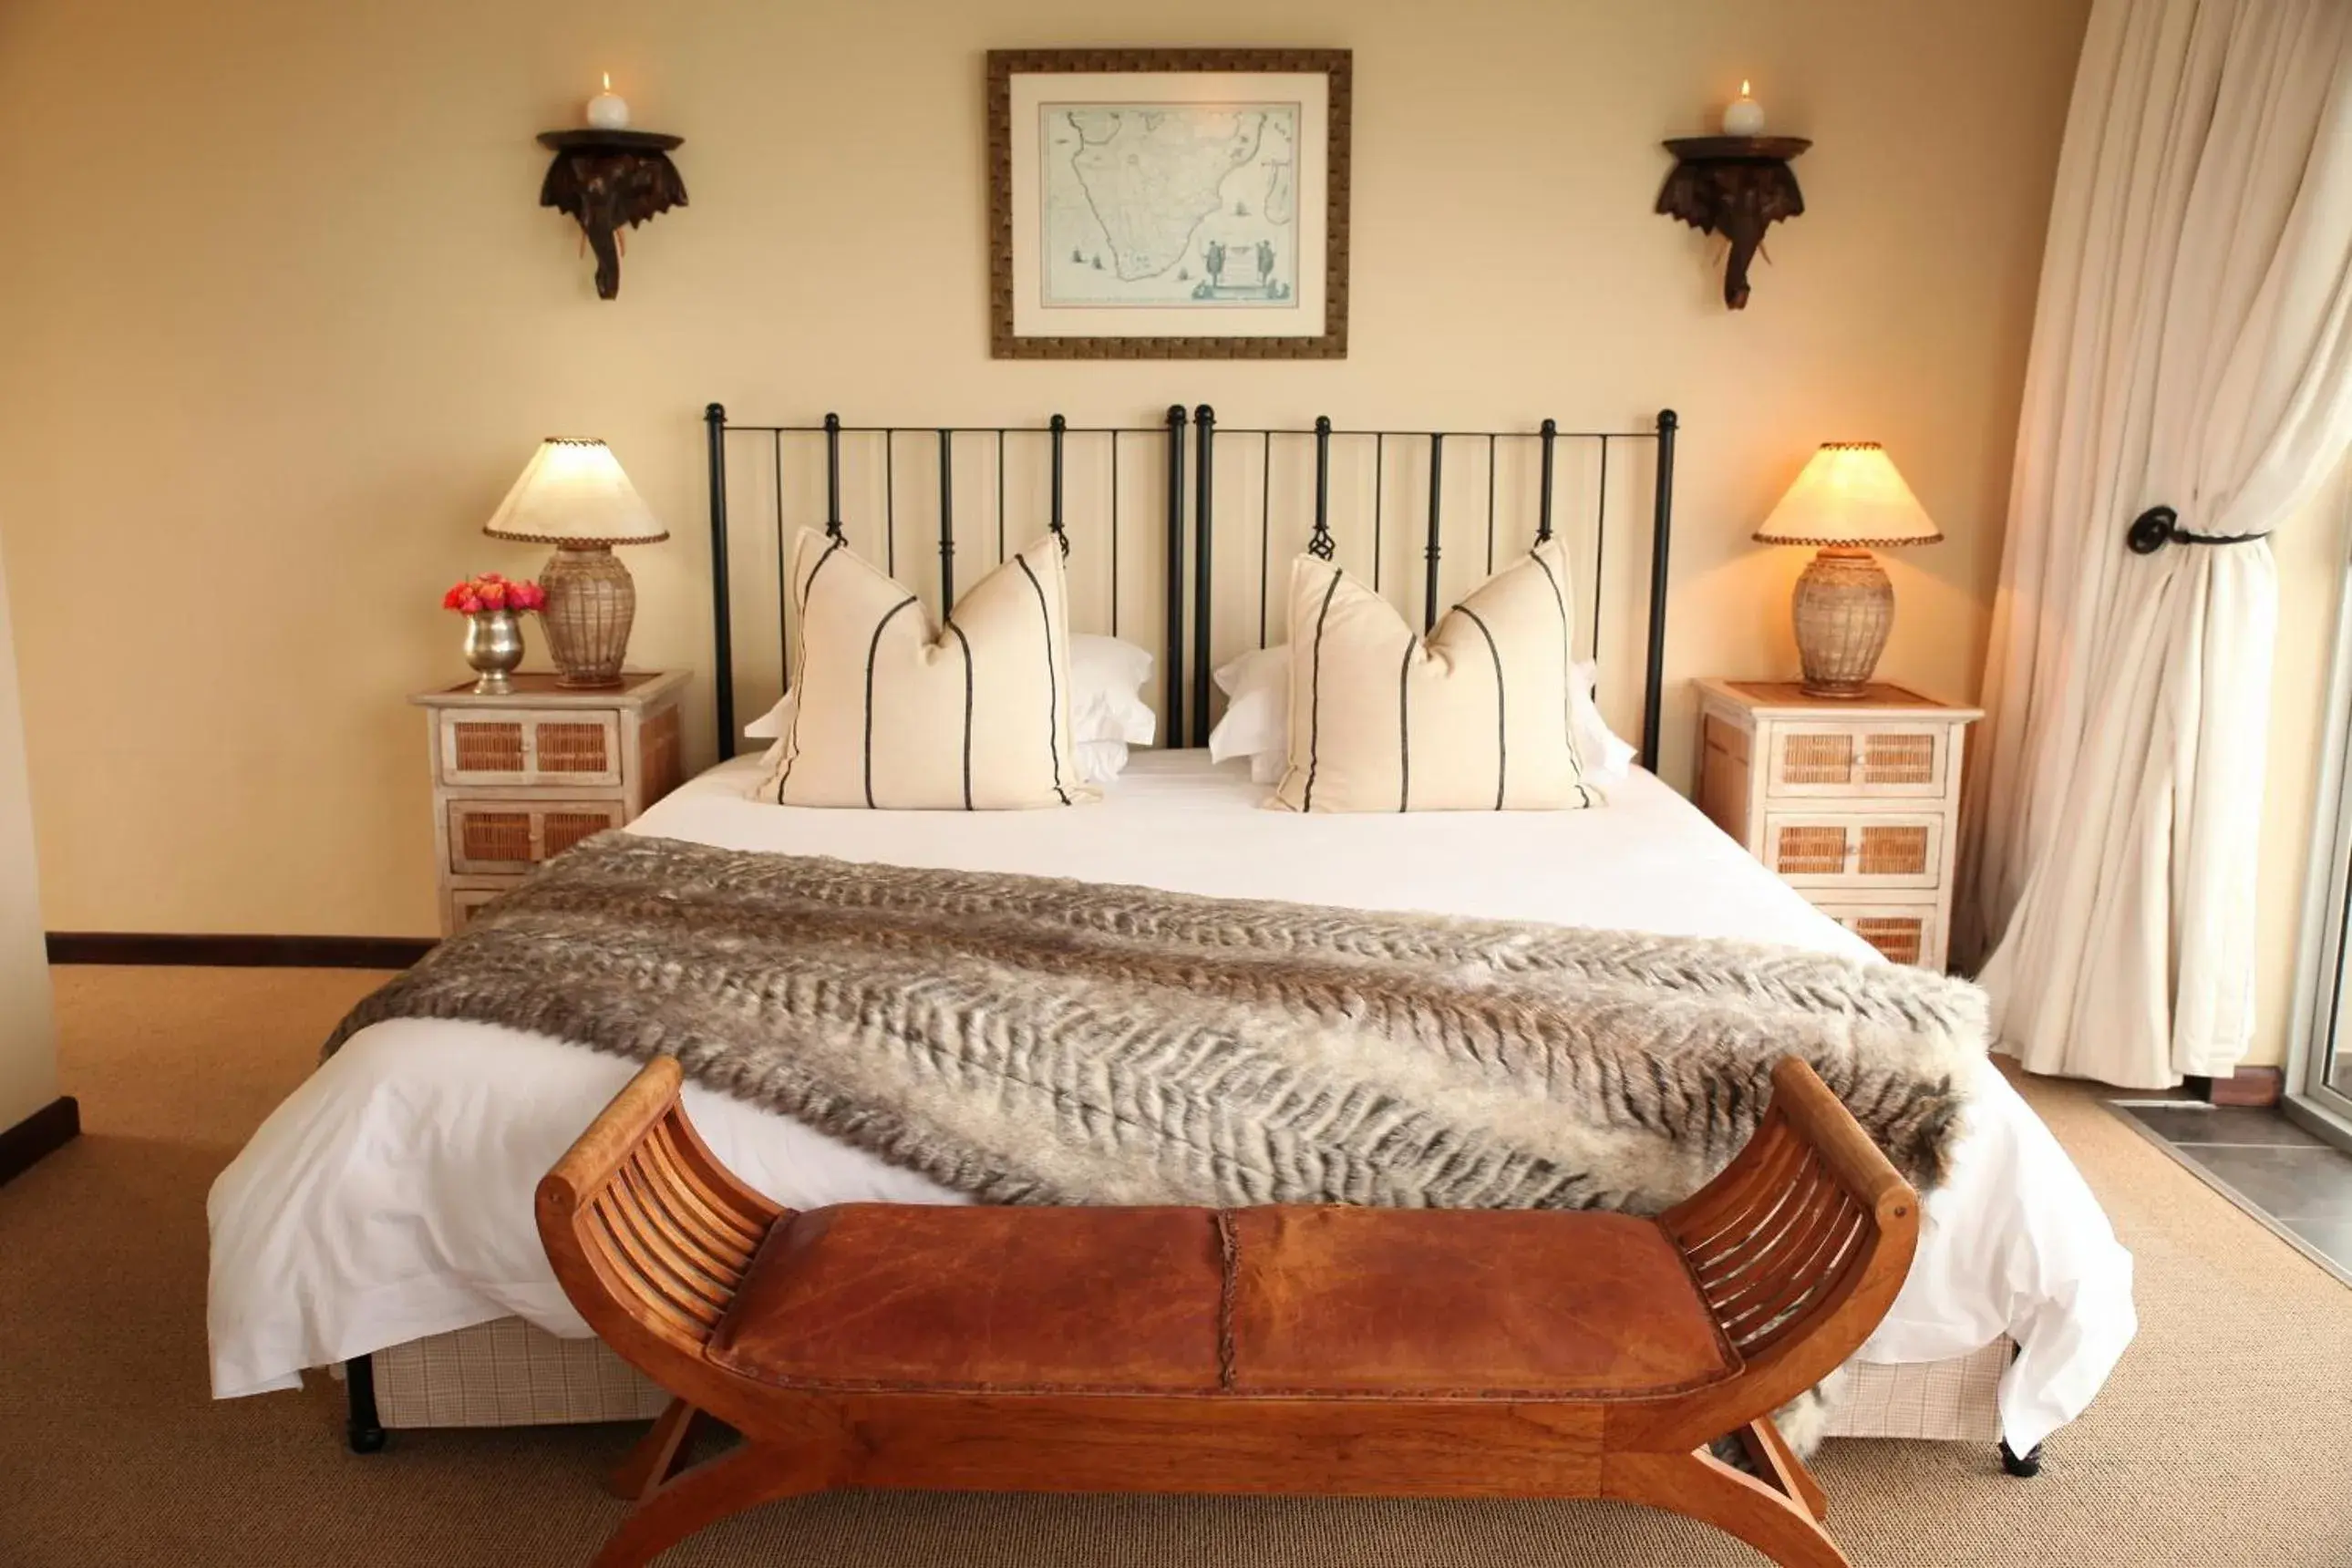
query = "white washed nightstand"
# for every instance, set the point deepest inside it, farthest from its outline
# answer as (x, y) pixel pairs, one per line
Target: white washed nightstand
(526, 774)
(1856, 803)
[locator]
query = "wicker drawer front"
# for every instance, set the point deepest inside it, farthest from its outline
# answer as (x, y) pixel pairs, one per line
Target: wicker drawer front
(464, 904)
(1907, 934)
(1886, 760)
(489, 835)
(497, 747)
(1866, 849)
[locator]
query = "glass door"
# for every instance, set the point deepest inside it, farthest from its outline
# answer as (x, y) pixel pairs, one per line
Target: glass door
(2319, 1060)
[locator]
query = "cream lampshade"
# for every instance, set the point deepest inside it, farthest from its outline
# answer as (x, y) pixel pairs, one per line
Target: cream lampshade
(1848, 499)
(573, 495)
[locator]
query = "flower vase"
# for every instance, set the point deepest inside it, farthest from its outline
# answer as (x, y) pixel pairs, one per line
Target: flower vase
(494, 648)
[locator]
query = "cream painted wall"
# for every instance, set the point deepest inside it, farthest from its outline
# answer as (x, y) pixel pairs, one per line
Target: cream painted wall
(283, 322)
(28, 1046)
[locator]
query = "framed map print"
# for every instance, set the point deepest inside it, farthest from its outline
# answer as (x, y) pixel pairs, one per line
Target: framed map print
(1168, 203)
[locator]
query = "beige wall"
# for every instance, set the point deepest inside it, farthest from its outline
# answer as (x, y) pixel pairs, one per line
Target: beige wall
(29, 1054)
(282, 322)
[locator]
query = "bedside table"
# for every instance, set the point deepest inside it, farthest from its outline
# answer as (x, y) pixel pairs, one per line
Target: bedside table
(1854, 801)
(528, 774)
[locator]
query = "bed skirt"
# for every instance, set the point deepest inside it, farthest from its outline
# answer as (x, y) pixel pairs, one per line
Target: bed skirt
(507, 1373)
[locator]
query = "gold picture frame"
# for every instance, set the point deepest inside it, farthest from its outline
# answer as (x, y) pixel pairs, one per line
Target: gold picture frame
(1156, 176)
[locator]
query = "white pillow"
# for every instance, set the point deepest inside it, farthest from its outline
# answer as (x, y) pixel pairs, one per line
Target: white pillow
(1258, 707)
(1256, 725)
(892, 713)
(772, 725)
(1099, 762)
(1475, 716)
(1107, 677)
(1607, 759)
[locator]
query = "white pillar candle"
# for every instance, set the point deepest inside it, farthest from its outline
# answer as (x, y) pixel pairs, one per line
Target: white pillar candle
(608, 110)
(1743, 116)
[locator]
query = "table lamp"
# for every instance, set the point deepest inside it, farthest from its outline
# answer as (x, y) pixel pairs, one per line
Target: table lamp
(573, 495)
(1848, 499)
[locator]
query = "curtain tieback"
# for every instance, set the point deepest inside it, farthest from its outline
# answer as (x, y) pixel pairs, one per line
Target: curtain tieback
(2159, 526)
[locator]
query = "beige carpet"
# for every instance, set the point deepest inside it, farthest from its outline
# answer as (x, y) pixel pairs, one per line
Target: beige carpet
(2226, 1437)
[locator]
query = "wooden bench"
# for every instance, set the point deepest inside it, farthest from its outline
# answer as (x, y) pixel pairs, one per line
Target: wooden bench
(1287, 1350)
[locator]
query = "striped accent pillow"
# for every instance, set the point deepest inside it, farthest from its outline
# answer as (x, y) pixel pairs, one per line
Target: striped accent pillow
(1476, 717)
(894, 715)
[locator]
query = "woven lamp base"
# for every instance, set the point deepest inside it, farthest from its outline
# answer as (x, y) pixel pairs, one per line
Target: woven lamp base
(1843, 608)
(589, 603)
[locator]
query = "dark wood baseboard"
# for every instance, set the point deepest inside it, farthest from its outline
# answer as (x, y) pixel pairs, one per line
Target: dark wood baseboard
(238, 952)
(47, 1130)
(2247, 1086)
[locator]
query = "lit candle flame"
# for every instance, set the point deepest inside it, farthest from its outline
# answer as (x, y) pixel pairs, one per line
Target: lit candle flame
(608, 83)
(1743, 85)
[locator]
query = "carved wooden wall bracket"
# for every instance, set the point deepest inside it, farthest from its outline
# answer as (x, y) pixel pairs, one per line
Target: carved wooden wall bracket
(1737, 186)
(609, 180)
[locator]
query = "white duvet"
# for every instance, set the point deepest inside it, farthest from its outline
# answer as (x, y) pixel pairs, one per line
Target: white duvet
(389, 1196)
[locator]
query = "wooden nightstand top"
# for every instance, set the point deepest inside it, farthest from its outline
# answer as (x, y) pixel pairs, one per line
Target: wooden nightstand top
(639, 689)
(1788, 700)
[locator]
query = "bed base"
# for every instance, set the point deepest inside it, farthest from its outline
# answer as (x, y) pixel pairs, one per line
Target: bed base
(1787, 1260)
(511, 1373)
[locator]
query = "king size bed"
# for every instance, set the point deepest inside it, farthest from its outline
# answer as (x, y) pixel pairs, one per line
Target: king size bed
(381, 1219)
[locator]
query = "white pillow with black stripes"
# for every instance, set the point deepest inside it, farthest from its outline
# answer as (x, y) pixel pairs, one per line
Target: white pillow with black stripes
(892, 713)
(1107, 712)
(1479, 715)
(1256, 725)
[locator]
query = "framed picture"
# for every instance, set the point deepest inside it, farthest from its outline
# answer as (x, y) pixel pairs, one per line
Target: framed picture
(1168, 203)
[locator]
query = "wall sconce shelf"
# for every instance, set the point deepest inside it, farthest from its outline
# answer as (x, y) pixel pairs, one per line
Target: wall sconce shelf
(609, 180)
(1737, 186)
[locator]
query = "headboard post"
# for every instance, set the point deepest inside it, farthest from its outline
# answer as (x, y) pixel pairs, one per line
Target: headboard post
(1174, 733)
(832, 477)
(947, 523)
(1319, 543)
(1436, 528)
(714, 419)
(1549, 435)
(1056, 428)
(1203, 510)
(1661, 524)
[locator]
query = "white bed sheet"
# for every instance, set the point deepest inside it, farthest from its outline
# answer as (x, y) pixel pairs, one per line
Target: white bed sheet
(389, 1197)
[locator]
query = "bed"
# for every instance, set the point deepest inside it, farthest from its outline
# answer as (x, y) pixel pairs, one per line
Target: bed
(380, 1218)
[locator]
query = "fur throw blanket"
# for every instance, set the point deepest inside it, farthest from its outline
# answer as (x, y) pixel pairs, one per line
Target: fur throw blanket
(1029, 1041)
(1022, 1039)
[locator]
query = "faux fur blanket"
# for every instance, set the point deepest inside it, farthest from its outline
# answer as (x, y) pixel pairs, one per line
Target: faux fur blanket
(1024, 1040)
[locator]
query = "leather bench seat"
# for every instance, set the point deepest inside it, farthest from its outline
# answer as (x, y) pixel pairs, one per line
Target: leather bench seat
(1317, 1301)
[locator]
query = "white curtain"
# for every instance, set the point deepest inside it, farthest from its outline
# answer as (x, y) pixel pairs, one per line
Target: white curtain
(2192, 348)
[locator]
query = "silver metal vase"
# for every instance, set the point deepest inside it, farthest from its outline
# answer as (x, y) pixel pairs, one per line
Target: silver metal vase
(494, 648)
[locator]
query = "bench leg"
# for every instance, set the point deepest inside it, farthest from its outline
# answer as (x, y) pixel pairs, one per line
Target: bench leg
(1700, 1485)
(1778, 1463)
(742, 1478)
(654, 1458)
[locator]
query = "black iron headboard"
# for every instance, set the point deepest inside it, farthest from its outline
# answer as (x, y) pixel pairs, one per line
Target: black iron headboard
(1180, 671)
(1547, 437)
(1057, 434)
